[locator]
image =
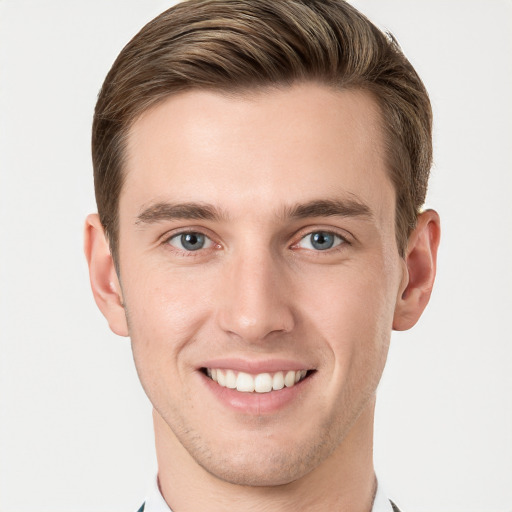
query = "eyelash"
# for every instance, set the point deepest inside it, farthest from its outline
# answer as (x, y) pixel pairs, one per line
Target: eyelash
(189, 253)
(343, 240)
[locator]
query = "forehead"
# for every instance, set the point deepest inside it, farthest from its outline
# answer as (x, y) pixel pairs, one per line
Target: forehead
(259, 150)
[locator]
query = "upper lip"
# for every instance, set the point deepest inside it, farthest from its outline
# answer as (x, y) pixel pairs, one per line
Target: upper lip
(256, 366)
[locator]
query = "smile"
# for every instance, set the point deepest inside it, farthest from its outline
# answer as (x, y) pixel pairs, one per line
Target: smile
(260, 383)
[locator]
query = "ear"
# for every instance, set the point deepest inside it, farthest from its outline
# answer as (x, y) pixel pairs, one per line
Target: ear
(420, 261)
(104, 281)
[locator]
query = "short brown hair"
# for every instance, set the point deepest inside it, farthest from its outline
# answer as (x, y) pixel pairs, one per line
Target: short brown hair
(236, 45)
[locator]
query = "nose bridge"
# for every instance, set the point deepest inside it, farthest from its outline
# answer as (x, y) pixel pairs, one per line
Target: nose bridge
(255, 301)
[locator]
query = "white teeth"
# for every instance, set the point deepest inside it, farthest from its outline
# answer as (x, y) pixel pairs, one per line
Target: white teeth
(230, 379)
(278, 381)
(244, 382)
(261, 383)
(221, 378)
(289, 380)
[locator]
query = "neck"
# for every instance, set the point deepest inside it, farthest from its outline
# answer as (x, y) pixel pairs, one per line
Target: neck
(345, 481)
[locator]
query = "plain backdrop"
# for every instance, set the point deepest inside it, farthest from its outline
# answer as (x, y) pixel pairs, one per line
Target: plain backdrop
(75, 426)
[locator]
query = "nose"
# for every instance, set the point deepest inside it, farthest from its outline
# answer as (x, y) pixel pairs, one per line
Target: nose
(256, 298)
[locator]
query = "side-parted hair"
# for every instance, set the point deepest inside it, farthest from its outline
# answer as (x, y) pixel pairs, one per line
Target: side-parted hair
(241, 45)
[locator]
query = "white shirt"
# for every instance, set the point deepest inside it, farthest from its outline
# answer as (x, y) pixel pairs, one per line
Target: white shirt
(156, 503)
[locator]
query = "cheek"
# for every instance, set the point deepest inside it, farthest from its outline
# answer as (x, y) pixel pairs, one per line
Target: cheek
(166, 303)
(353, 312)
(351, 300)
(165, 311)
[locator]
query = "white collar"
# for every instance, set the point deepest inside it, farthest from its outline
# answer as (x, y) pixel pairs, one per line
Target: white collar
(156, 503)
(381, 502)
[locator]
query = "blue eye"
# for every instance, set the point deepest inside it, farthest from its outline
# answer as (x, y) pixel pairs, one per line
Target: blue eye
(320, 241)
(191, 241)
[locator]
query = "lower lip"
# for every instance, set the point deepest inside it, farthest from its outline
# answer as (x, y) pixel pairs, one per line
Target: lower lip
(256, 403)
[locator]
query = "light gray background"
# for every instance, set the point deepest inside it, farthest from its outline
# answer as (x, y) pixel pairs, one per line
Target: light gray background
(75, 427)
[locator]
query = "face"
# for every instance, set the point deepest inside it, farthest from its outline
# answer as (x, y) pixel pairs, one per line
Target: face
(259, 273)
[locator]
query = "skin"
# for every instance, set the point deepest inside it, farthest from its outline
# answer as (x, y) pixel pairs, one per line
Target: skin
(259, 290)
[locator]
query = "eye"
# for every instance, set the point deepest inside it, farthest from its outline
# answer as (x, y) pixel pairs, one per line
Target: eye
(191, 241)
(320, 241)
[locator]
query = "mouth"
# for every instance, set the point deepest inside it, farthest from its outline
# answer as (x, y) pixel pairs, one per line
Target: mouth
(256, 383)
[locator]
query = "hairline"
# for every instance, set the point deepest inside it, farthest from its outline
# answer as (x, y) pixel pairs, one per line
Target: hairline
(246, 91)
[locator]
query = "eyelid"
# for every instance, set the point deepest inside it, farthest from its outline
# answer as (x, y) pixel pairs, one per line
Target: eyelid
(346, 237)
(340, 241)
(208, 241)
(169, 235)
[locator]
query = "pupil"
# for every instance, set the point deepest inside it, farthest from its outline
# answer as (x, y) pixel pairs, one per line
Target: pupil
(322, 240)
(192, 241)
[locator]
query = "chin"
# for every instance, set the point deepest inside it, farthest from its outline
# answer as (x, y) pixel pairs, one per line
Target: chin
(261, 471)
(260, 461)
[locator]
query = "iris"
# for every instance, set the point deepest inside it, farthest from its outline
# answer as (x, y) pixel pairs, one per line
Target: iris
(192, 241)
(322, 240)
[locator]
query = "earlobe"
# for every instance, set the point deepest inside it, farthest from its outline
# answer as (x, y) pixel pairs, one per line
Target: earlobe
(420, 260)
(104, 281)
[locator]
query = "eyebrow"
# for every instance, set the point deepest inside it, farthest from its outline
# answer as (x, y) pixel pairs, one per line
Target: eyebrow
(163, 211)
(328, 208)
(168, 211)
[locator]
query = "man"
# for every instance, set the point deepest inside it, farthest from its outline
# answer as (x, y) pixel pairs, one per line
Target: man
(260, 169)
